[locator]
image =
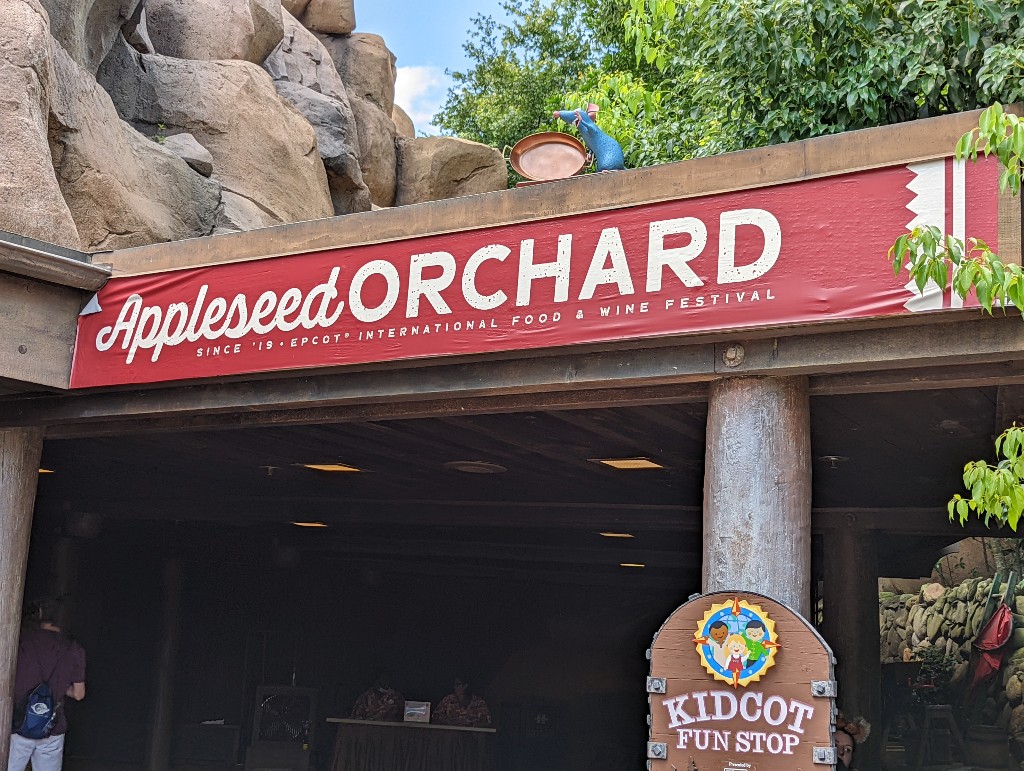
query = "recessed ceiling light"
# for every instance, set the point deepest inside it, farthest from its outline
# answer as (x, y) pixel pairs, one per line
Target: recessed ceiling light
(46, 471)
(310, 524)
(617, 535)
(632, 565)
(628, 463)
(475, 467)
(329, 467)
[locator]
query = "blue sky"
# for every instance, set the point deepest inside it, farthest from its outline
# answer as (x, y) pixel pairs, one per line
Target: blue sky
(427, 38)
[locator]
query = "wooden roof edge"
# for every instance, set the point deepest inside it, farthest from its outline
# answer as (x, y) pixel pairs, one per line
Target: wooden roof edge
(30, 258)
(910, 142)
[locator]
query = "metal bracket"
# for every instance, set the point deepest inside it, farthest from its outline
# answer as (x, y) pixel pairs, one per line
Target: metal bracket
(824, 756)
(648, 654)
(657, 750)
(657, 684)
(824, 689)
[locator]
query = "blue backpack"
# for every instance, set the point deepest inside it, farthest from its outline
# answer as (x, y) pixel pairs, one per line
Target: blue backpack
(35, 718)
(39, 714)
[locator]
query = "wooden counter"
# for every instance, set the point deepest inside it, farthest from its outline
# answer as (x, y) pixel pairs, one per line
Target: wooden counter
(371, 745)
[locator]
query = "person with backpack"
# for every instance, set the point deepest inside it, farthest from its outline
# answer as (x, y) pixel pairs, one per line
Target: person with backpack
(51, 668)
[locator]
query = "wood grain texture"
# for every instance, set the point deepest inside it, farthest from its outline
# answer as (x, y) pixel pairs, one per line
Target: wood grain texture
(39, 322)
(20, 450)
(23, 260)
(802, 657)
(942, 351)
(158, 752)
(757, 489)
(851, 606)
(1010, 228)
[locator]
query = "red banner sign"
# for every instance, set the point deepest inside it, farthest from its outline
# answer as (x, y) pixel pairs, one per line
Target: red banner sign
(797, 253)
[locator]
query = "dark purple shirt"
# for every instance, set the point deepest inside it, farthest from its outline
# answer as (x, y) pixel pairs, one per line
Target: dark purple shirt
(41, 652)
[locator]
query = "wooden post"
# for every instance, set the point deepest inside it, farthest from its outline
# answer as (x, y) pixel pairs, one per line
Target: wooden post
(20, 450)
(64, 579)
(757, 489)
(159, 751)
(850, 610)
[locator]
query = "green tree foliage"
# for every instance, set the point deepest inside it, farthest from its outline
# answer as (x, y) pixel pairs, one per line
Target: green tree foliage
(931, 256)
(996, 495)
(521, 69)
(746, 73)
(677, 79)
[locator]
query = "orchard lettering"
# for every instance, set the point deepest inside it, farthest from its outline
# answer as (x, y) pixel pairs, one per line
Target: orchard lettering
(431, 278)
(781, 721)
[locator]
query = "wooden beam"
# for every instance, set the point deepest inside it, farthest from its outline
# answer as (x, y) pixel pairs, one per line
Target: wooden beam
(850, 593)
(963, 343)
(39, 322)
(1009, 407)
(53, 264)
(20, 450)
(1011, 227)
(158, 750)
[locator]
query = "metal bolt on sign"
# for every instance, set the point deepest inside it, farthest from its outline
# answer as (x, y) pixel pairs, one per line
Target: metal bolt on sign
(657, 750)
(825, 756)
(824, 688)
(656, 685)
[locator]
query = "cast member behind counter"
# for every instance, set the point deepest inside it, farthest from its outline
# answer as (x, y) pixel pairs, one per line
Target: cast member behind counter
(381, 702)
(462, 707)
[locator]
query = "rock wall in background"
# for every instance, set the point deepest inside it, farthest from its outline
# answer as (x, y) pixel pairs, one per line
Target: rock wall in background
(949, 619)
(127, 122)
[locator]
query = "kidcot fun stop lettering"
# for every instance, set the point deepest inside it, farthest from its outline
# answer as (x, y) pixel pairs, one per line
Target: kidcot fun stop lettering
(775, 723)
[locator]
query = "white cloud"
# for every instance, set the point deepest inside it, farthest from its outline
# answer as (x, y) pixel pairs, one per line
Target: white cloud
(420, 91)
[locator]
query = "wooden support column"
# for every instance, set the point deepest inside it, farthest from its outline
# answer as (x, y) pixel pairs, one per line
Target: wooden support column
(757, 489)
(850, 610)
(161, 725)
(20, 450)
(64, 579)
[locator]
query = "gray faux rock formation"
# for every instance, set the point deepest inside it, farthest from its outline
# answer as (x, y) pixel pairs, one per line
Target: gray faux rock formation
(301, 58)
(263, 150)
(337, 17)
(366, 66)
(215, 29)
(137, 33)
(189, 150)
(337, 142)
(87, 29)
(295, 7)
(377, 155)
(403, 123)
(432, 168)
(123, 189)
(305, 76)
(31, 203)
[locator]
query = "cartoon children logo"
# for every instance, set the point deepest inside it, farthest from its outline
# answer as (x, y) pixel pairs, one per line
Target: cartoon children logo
(736, 642)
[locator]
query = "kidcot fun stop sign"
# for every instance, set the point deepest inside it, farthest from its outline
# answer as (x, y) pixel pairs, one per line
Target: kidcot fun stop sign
(740, 682)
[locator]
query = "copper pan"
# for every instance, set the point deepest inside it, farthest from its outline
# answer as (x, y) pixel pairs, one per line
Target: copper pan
(548, 155)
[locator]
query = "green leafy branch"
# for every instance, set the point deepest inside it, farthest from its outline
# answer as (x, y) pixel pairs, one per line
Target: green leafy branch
(931, 256)
(995, 491)
(996, 494)
(998, 133)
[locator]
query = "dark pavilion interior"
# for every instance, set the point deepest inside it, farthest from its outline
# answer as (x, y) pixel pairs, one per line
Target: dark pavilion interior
(493, 547)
